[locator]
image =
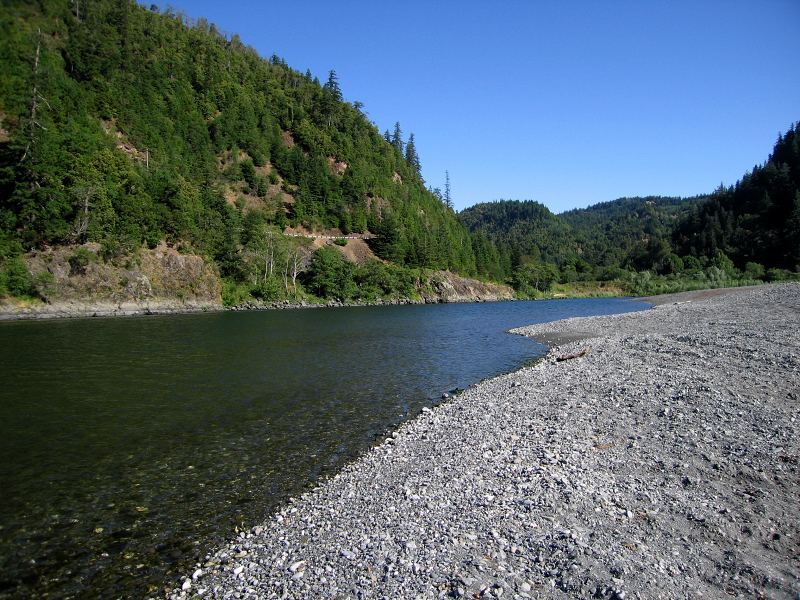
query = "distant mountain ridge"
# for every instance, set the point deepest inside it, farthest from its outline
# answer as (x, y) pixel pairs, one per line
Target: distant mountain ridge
(756, 221)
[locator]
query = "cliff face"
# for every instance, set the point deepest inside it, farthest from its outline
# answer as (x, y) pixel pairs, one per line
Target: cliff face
(75, 280)
(445, 286)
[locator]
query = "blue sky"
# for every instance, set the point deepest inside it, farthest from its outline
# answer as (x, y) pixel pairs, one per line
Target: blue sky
(567, 103)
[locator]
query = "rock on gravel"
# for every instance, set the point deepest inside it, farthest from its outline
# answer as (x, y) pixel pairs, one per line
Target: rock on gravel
(662, 464)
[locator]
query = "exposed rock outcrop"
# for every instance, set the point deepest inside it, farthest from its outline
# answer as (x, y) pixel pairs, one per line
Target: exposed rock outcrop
(444, 286)
(76, 281)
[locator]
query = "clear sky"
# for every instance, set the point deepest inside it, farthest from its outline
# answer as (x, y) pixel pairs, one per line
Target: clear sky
(567, 103)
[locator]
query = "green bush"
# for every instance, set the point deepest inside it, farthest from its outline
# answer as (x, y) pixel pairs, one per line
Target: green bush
(691, 264)
(754, 270)
(234, 294)
(261, 187)
(15, 279)
(375, 280)
(271, 289)
(780, 275)
(530, 278)
(249, 174)
(81, 259)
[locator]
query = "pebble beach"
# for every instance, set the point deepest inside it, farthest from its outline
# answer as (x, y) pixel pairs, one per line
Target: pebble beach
(649, 455)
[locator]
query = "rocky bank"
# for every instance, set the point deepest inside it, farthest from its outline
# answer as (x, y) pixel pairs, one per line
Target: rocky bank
(663, 463)
(75, 281)
(444, 286)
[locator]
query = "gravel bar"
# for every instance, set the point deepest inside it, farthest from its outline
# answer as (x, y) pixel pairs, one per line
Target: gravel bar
(662, 463)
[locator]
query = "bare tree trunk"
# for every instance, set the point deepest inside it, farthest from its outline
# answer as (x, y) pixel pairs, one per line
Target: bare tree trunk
(82, 224)
(296, 263)
(35, 94)
(286, 274)
(34, 124)
(271, 251)
(269, 255)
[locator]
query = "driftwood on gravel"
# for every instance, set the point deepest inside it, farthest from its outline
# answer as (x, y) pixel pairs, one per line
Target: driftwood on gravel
(572, 355)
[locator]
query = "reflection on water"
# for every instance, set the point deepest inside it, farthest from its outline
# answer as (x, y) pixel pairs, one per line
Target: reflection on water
(129, 446)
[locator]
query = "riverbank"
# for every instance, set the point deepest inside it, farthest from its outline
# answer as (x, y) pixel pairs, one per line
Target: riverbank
(18, 310)
(26, 311)
(92, 293)
(661, 464)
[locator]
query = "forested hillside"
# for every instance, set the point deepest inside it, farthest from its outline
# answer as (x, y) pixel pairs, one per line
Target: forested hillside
(628, 232)
(746, 232)
(591, 243)
(126, 127)
(521, 229)
(758, 219)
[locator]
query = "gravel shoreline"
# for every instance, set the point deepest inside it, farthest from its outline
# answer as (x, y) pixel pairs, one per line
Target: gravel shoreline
(661, 464)
(85, 310)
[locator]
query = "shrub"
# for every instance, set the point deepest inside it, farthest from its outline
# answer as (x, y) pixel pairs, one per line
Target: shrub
(249, 173)
(536, 277)
(233, 293)
(15, 279)
(673, 264)
(80, 260)
(779, 275)
(691, 264)
(271, 289)
(331, 276)
(754, 270)
(261, 187)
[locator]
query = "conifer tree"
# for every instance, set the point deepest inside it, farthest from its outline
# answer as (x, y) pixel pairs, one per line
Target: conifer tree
(412, 158)
(332, 86)
(447, 199)
(397, 138)
(332, 98)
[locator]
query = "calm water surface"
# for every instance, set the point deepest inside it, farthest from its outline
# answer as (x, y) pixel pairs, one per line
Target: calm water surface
(129, 447)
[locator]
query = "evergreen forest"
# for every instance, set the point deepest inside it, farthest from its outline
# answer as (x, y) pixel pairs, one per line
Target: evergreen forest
(124, 127)
(745, 233)
(127, 127)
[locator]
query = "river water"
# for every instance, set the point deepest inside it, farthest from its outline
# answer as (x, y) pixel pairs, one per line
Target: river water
(129, 447)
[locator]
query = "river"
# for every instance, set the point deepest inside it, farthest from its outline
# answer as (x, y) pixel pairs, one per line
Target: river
(130, 446)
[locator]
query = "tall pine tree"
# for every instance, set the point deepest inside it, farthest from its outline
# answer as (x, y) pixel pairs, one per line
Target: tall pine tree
(397, 138)
(448, 200)
(332, 86)
(412, 158)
